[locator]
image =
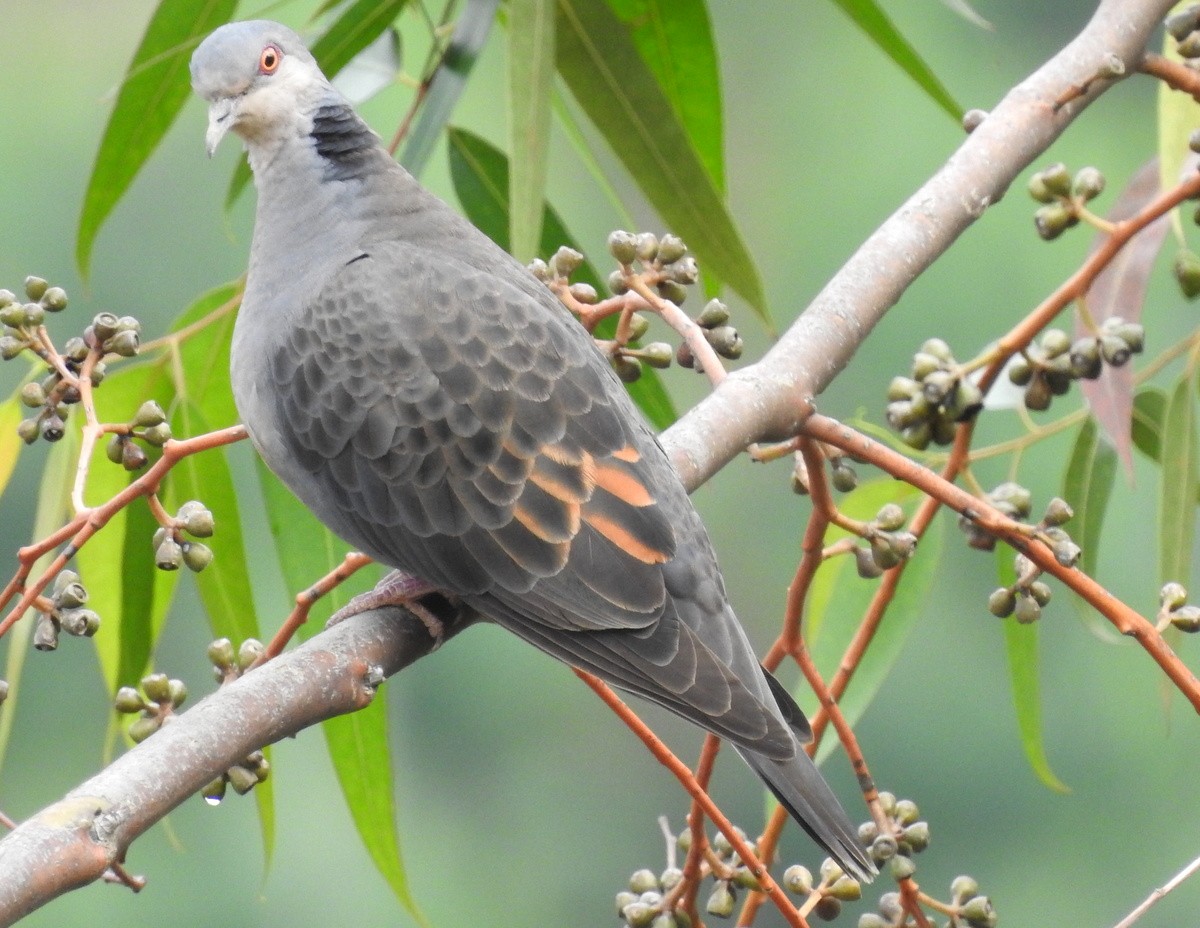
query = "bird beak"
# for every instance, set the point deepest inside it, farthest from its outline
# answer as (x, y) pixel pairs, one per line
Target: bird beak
(221, 116)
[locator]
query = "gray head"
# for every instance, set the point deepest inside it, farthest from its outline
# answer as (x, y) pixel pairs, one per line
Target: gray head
(259, 80)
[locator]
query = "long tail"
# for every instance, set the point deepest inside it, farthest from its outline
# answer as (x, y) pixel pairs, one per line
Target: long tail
(799, 786)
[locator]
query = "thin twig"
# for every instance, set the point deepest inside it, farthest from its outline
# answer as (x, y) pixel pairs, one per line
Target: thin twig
(1158, 894)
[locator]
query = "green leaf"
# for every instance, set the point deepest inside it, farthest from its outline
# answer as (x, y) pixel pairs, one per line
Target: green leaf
(357, 27)
(605, 72)
(1178, 116)
(838, 599)
(1021, 643)
(129, 593)
(1177, 491)
(53, 508)
(357, 742)
(1087, 485)
(204, 355)
(872, 20)
(675, 40)
(10, 442)
(530, 85)
(152, 94)
(480, 176)
(1149, 409)
(446, 86)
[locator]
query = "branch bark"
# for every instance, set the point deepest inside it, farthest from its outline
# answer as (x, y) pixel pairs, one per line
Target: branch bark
(73, 841)
(768, 400)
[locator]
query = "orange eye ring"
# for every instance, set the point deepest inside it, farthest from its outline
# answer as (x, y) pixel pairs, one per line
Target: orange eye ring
(268, 61)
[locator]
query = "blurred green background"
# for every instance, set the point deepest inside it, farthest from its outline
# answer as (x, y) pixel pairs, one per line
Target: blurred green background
(522, 800)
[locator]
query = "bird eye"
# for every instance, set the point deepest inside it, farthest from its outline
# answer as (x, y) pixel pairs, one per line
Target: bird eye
(268, 61)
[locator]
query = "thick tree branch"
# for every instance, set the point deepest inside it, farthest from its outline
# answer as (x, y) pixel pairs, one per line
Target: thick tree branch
(768, 400)
(72, 842)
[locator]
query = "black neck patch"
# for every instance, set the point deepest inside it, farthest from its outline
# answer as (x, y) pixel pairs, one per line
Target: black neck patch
(343, 140)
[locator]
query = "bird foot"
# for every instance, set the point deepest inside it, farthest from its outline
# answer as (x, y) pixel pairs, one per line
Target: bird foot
(395, 589)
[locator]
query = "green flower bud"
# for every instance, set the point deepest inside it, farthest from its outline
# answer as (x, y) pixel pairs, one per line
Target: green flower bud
(617, 284)
(75, 349)
(872, 920)
(35, 287)
(725, 341)
(7, 297)
(827, 908)
(32, 395)
(1053, 220)
(629, 369)
(979, 912)
(83, 623)
(918, 435)
(1114, 350)
(937, 384)
(157, 435)
(52, 426)
(1085, 357)
(846, 889)
(798, 880)
(1038, 190)
(251, 650)
(128, 700)
(924, 364)
(643, 881)
(657, 354)
(196, 556)
(670, 290)
(1057, 179)
(214, 791)
(1038, 394)
(902, 867)
(683, 271)
(1019, 371)
(143, 727)
(1189, 47)
(1067, 553)
(148, 414)
(843, 476)
(584, 293)
(34, 314)
(890, 517)
(98, 372)
(11, 346)
(132, 457)
(917, 836)
(104, 327)
(744, 879)
(623, 246)
(1058, 512)
(963, 887)
(115, 449)
(124, 343)
(1186, 618)
(906, 812)
(883, 848)
(891, 908)
(965, 401)
(902, 388)
(13, 315)
(715, 313)
(1187, 272)
(168, 555)
(28, 430)
(722, 900)
(1183, 22)
(1027, 609)
(1089, 183)
(647, 246)
(241, 779)
(54, 300)
(671, 249)
(1131, 333)
(868, 831)
(565, 261)
(864, 562)
(157, 687)
(1054, 342)
(670, 878)
(639, 325)
(1172, 596)
(70, 596)
(1040, 591)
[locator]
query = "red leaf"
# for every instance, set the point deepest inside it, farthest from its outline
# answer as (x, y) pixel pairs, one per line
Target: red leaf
(1120, 290)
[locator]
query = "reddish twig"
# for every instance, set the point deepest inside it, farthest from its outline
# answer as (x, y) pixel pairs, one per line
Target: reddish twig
(690, 884)
(350, 565)
(88, 522)
(1126, 620)
(1175, 74)
(684, 774)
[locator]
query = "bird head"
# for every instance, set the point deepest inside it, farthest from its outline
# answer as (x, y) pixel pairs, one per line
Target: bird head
(252, 74)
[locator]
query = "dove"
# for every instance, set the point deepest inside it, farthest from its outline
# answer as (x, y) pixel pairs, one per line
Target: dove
(436, 407)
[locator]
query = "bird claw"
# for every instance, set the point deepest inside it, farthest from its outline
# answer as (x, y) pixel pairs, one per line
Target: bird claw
(395, 589)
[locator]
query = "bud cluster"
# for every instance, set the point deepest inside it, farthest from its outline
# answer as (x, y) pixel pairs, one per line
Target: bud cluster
(67, 612)
(1184, 27)
(887, 545)
(1174, 609)
(157, 703)
(927, 406)
(1062, 197)
(896, 845)
(1047, 369)
(172, 550)
(149, 424)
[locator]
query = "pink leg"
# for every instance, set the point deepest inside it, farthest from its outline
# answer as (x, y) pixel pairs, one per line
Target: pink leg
(395, 589)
